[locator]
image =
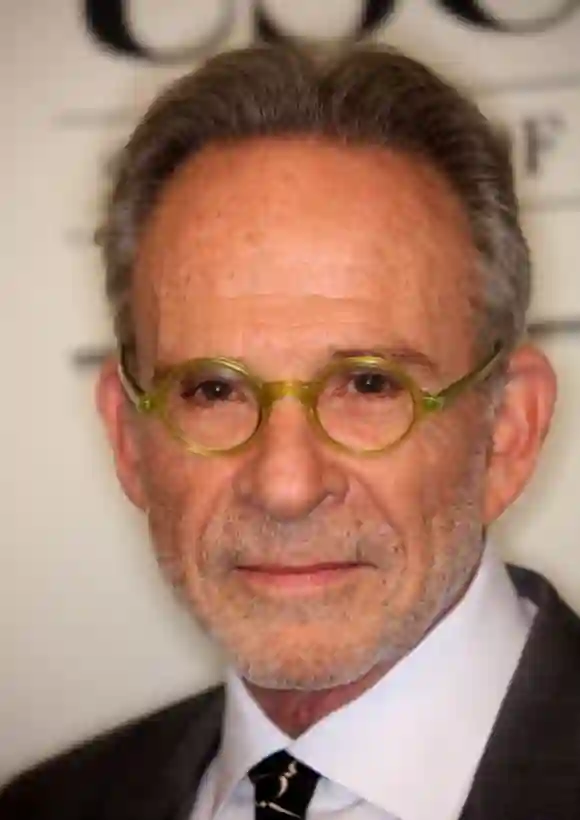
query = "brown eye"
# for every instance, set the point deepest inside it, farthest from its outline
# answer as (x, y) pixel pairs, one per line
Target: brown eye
(375, 383)
(208, 391)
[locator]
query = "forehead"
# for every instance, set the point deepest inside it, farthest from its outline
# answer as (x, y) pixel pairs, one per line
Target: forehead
(296, 237)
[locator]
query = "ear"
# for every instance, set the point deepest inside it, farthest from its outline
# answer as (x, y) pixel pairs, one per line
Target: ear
(121, 425)
(521, 423)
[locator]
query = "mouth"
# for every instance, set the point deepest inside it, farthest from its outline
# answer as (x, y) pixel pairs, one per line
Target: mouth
(282, 578)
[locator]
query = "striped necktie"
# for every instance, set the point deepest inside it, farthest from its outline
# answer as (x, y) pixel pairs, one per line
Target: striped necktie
(283, 787)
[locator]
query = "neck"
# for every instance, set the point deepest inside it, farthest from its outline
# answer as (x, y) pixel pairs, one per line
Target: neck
(294, 711)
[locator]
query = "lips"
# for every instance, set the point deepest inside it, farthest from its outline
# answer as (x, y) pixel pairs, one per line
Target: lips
(303, 569)
(302, 579)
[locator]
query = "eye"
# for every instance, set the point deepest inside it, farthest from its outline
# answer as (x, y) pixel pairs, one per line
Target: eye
(206, 391)
(375, 383)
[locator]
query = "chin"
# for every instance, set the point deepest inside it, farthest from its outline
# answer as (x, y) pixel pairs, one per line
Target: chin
(317, 669)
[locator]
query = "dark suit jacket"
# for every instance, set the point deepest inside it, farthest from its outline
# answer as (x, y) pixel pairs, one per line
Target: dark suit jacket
(151, 768)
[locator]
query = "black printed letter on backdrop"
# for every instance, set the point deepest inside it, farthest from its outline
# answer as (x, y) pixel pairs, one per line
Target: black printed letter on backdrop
(474, 13)
(108, 22)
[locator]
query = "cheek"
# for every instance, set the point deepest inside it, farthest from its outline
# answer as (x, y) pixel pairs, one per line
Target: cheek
(183, 493)
(431, 489)
(422, 483)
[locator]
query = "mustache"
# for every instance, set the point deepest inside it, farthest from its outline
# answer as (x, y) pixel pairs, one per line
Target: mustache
(238, 540)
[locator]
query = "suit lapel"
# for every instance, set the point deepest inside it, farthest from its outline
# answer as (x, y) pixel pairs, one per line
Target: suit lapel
(183, 776)
(531, 767)
(170, 777)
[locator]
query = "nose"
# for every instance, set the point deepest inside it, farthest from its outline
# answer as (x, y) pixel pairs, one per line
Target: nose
(289, 471)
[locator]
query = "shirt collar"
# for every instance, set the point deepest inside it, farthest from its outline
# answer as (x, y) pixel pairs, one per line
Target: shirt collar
(420, 731)
(248, 736)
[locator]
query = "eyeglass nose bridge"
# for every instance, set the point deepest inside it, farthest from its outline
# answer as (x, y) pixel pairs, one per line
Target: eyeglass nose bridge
(304, 392)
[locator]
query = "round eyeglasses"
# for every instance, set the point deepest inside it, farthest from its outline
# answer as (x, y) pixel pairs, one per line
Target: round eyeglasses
(362, 404)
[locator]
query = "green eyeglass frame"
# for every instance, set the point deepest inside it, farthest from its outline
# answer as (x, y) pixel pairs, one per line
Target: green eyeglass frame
(154, 402)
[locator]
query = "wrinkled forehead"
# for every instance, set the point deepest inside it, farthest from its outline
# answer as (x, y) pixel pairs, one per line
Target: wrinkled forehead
(282, 232)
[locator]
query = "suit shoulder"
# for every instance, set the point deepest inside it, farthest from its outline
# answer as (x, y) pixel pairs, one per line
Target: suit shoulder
(68, 785)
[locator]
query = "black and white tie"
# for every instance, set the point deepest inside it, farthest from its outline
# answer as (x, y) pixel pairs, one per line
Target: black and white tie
(283, 787)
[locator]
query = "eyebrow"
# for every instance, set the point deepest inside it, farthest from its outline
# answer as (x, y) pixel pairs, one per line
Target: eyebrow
(401, 353)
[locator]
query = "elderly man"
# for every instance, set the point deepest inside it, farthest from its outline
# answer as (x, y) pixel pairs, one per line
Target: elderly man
(322, 399)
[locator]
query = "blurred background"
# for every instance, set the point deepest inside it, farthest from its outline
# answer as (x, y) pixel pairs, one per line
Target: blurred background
(88, 633)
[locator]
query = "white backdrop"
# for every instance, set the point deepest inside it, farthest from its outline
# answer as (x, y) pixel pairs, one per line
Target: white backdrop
(88, 633)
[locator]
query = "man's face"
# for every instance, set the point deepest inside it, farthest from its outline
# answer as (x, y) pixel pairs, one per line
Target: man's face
(280, 253)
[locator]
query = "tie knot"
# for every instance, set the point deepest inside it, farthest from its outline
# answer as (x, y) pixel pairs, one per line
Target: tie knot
(283, 785)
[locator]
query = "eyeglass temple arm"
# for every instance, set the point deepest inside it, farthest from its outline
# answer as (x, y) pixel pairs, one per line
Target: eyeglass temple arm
(134, 392)
(448, 394)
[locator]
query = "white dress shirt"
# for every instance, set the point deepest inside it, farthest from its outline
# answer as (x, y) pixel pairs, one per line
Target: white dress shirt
(407, 748)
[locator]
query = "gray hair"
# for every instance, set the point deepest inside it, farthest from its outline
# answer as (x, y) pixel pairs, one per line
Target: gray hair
(366, 95)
